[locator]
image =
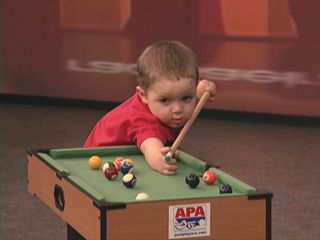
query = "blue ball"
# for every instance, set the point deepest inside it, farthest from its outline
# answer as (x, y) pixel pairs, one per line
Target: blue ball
(126, 168)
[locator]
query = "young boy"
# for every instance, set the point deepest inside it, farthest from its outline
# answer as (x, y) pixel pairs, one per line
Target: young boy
(163, 102)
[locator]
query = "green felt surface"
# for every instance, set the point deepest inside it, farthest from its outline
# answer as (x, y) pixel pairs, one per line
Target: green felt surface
(74, 163)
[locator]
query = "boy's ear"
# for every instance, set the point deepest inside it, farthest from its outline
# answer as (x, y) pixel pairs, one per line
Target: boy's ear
(142, 94)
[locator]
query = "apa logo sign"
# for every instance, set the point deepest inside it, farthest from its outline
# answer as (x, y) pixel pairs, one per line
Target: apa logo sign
(189, 220)
(189, 217)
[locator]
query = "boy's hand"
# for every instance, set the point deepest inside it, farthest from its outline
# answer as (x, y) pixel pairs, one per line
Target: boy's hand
(168, 167)
(154, 153)
(206, 85)
(166, 150)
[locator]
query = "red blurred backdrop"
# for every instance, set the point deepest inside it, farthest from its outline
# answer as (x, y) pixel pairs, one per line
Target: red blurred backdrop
(263, 54)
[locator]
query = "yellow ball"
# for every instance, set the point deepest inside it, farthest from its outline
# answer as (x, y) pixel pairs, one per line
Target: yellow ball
(94, 162)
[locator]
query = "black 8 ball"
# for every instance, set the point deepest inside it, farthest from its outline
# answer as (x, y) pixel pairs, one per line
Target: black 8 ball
(192, 180)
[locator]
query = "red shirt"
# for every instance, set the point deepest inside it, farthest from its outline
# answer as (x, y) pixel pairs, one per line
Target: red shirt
(129, 123)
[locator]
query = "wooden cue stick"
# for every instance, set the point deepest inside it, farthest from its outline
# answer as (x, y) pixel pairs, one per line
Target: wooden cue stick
(187, 126)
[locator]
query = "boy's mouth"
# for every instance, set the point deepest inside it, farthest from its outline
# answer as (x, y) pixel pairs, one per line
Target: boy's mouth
(177, 121)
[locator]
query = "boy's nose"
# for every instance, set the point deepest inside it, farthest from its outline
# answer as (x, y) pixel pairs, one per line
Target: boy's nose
(176, 108)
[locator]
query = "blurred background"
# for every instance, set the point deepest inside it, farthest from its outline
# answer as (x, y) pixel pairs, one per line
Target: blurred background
(263, 54)
(67, 56)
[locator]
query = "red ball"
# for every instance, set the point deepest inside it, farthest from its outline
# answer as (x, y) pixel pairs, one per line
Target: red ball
(111, 172)
(118, 161)
(209, 177)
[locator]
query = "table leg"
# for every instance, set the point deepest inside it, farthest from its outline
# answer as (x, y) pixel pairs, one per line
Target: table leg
(72, 234)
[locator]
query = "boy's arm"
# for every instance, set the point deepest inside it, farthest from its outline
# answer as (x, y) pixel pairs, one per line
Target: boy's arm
(154, 152)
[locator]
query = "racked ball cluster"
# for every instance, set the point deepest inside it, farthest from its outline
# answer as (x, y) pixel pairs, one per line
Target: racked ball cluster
(125, 166)
(111, 169)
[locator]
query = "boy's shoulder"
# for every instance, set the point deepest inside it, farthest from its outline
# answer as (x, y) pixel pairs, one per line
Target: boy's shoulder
(130, 106)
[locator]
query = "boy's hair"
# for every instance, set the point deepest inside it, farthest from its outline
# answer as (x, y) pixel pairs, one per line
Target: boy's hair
(166, 59)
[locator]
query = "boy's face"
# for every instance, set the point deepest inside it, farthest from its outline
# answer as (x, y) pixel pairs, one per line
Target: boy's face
(172, 101)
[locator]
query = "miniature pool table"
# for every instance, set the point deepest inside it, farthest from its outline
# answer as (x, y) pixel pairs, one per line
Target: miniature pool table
(97, 208)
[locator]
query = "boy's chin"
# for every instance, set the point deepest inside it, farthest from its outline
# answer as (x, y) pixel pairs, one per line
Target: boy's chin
(175, 125)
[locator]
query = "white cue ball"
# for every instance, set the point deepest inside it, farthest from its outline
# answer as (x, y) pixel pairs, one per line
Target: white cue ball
(142, 196)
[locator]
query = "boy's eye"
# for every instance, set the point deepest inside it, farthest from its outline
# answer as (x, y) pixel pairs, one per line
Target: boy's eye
(164, 100)
(187, 98)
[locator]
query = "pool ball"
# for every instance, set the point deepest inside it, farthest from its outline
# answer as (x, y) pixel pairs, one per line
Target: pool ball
(117, 162)
(126, 167)
(111, 172)
(225, 188)
(209, 177)
(127, 161)
(142, 196)
(129, 180)
(107, 164)
(94, 162)
(192, 180)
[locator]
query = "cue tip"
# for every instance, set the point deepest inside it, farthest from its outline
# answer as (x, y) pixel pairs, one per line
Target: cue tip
(168, 157)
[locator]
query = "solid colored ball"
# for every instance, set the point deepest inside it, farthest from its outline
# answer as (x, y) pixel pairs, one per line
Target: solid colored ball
(111, 172)
(126, 167)
(117, 162)
(142, 196)
(94, 162)
(107, 164)
(192, 180)
(129, 180)
(209, 177)
(225, 188)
